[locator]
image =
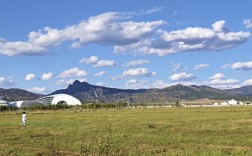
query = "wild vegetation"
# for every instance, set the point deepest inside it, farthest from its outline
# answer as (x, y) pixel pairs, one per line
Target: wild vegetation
(153, 131)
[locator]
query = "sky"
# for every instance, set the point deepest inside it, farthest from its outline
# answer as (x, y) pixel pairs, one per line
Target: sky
(128, 44)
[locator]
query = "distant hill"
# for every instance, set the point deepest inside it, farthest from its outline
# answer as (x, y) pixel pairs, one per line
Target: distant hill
(91, 93)
(246, 90)
(17, 94)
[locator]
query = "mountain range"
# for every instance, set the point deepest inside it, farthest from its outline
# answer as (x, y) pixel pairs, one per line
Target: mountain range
(90, 93)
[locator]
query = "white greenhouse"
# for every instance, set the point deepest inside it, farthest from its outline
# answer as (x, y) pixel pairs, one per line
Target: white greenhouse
(59, 99)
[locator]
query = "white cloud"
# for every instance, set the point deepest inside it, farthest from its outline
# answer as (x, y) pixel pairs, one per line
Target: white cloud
(100, 84)
(29, 77)
(242, 66)
(247, 23)
(178, 67)
(218, 26)
(182, 77)
(7, 81)
(102, 63)
(74, 72)
(96, 62)
(136, 63)
(218, 81)
(217, 76)
(20, 48)
(136, 84)
(63, 82)
(39, 90)
(248, 82)
(200, 66)
(101, 73)
(115, 29)
(160, 84)
(47, 76)
(104, 29)
(222, 81)
(91, 60)
(190, 39)
(138, 72)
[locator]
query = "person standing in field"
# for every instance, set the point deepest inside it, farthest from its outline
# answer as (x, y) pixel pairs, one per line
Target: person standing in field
(23, 119)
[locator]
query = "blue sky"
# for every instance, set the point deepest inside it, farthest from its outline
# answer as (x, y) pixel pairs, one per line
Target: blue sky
(46, 45)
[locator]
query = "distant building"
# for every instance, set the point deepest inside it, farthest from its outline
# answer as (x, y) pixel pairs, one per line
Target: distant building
(224, 103)
(48, 100)
(24, 103)
(59, 99)
(3, 102)
(233, 102)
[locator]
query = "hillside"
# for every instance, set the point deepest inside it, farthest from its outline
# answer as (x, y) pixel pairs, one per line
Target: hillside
(17, 94)
(91, 93)
(246, 90)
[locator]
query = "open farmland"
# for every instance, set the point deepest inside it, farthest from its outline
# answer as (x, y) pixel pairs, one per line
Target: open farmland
(153, 131)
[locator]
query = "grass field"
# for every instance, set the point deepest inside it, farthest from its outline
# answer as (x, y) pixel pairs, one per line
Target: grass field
(154, 131)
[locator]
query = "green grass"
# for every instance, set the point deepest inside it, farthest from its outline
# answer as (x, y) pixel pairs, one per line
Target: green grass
(154, 131)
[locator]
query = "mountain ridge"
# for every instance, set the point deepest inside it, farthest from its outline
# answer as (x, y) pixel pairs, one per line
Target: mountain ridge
(89, 93)
(86, 92)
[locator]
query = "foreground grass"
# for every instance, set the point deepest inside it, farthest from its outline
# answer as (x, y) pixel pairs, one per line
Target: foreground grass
(156, 131)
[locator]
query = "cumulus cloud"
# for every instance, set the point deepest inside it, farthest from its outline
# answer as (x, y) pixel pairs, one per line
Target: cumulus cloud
(223, 83)
(217, 76)
(91, 60)
(248, 82)
(136, 63)
(247, 23)
(47, 76)
(190, 39)
(136, 84)
(73, 72)
(218, 81)
(139, 72)
(39, 90)
(104, 29)
(7, 81)
(182, 76)
(219, 26)
(242, 66)
(96, 62)
(101, 73)
(115, 29)
(200, 66)
(29, 77)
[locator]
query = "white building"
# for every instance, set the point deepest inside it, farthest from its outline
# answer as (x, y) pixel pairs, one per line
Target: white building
(233, 102)
(59, 99)
(224, 103)
(3, 102)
